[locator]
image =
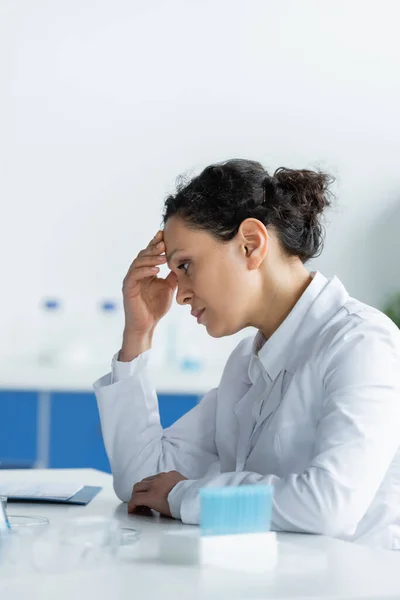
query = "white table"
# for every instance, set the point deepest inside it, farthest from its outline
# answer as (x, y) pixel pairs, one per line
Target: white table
(308, 567)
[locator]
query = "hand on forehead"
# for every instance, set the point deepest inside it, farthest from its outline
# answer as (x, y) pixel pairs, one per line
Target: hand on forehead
(177, 237)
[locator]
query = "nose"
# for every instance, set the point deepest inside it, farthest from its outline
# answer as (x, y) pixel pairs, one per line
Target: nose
(183, 295)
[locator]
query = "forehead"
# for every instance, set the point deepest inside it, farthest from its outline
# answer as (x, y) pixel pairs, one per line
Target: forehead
(177, 235)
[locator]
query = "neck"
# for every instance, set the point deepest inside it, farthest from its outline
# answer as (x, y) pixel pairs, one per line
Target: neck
(283, 292)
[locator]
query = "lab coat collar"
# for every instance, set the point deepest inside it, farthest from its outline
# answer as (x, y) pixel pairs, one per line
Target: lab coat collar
(320, 301)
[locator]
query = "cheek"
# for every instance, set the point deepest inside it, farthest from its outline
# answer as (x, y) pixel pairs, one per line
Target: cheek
(220, 287)
(221, 290)
(225, 309)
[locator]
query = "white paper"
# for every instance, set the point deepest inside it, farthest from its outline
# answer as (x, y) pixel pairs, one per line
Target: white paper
(36, 491)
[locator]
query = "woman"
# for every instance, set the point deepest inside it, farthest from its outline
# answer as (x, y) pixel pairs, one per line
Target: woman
(310, 404)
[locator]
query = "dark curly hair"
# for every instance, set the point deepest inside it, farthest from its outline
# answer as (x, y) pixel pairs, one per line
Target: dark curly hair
(223, 195)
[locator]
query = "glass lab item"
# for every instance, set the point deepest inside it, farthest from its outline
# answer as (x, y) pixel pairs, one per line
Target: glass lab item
(86, 542)
(14, 522)
(17, 536)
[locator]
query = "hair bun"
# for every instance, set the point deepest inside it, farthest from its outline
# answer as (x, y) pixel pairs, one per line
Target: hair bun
(308, 189)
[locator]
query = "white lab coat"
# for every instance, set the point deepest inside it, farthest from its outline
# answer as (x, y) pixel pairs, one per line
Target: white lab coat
(315, 412)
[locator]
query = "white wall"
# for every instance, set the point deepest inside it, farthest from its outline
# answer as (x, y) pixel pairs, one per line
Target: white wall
(104, 102)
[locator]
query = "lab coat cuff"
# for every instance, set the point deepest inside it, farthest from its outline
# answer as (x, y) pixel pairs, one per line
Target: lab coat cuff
(123, 370)
(175, 497)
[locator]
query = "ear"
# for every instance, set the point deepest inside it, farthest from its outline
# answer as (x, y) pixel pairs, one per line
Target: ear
(253, 238)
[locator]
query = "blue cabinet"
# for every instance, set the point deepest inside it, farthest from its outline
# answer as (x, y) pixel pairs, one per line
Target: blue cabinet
(75, 433)
(75, 438)
(173, 407)
(18, 428)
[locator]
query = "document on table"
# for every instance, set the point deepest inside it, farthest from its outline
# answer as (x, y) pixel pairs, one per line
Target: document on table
(39, 491)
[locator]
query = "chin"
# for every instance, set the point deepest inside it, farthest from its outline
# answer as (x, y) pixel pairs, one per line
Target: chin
(216, 334)
(221, 331)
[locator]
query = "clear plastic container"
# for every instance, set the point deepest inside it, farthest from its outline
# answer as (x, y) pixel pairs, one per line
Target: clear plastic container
(4, 522)
(29, 545)
(85, 542)
(18, 534)
(13, 522)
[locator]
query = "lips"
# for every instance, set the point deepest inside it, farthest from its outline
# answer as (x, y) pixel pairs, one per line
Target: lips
(197, 313)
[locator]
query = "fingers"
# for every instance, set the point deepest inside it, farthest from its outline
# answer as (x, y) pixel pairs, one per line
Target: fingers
(143, 510)
(144, 266)
(158, 237)
(150, 256)
(156, 244)
(141, 491)
(148, 261)
(140, 274)
(153, 492)
(138, 499)
(141, 486)
(153, 249)
(158, 240)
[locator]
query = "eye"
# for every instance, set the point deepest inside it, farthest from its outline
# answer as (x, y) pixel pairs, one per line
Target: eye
(184, 267)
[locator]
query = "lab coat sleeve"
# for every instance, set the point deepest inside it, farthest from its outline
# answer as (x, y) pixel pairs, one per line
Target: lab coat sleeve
(357, 437)
(135, 442)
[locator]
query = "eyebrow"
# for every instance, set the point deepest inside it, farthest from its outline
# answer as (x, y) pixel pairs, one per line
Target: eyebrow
(171, 254)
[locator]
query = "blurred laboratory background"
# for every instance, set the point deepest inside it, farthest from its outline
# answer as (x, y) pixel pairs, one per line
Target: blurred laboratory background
(103, 103)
